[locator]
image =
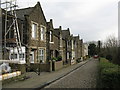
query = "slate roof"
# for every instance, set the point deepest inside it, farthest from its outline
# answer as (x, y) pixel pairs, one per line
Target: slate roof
(56, 32)
(26, 11)
(65, 34)
(75, 38)
(21, 12)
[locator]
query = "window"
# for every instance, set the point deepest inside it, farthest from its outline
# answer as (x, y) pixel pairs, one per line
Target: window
(73, 54)
(60, 40)
(51, 36)
(68, 57)
(13, 56)
(41, 55)
(34, 30)
(68, 43)
(72, 45)
(21, 55)
(75, 43)
(42, 33)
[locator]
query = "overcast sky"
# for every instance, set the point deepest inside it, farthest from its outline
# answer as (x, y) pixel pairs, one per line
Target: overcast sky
(91, 19)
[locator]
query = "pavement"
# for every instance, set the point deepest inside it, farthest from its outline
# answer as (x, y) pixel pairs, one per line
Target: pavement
(35, 81)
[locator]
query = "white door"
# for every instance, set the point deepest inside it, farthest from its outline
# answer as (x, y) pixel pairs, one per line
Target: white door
(32, 57)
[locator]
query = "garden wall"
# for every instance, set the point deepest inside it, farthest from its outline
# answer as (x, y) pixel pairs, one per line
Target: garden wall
(57, 65)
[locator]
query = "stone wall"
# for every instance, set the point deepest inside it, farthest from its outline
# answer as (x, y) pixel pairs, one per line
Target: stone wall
(42, 67)
(18, 67)
(58, 65)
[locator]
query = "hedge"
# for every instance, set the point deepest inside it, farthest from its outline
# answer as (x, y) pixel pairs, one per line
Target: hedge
(109, 74)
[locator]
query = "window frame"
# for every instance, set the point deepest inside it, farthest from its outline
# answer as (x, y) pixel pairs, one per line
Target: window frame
(14, 56)
(44, 33)
(35, 35)
(51, 36)
(22, 55)
(68, 55)
(41, 54)
(61, 41)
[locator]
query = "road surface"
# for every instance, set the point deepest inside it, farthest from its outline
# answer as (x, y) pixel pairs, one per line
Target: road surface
(83, 77)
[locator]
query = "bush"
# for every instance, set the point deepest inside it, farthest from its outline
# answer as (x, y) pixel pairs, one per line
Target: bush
(78, 60)
(59, 58)
(54, 59)
(109, 57)
(109, 74)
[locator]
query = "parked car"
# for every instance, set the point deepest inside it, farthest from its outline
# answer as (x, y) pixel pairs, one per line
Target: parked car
(95, 56)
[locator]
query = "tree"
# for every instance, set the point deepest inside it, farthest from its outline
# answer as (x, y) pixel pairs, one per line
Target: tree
(111, 49)
(92, 49)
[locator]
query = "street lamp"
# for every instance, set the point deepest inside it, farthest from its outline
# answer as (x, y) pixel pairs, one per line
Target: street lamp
(99, 49)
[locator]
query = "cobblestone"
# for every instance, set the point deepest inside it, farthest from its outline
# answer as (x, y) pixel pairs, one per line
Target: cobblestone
(83, 77)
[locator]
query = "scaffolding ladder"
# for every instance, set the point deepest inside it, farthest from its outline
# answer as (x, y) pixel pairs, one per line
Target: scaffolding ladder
(10, 6)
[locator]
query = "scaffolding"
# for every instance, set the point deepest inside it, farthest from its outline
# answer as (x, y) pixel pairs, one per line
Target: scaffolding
(10, 11)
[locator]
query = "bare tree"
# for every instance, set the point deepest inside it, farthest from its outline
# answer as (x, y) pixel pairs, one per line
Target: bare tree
(111, 49)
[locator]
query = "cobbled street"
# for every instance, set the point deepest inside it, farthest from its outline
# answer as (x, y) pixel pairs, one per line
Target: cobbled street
(83, 77)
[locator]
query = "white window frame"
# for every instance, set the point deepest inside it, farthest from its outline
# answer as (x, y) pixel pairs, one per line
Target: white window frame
(68, 55)
(73, 54)
(61, 41)
(21, 55)
(14, 56)
(41, 55)
(51, 37)
(72, 44)
(34, 34)
(42, 33)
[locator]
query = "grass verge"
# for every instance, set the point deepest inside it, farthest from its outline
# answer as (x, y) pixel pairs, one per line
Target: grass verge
(109, 74)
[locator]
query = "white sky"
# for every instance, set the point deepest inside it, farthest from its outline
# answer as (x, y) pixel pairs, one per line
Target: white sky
(91, 19)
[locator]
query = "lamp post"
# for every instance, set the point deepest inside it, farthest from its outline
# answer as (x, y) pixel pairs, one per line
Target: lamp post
(99, 49)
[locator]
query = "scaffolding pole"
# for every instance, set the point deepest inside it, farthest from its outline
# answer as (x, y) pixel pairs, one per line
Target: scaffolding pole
(11, 7)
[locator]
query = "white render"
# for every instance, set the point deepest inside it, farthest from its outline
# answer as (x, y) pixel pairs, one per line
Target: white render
(85, 49)
(15, 51)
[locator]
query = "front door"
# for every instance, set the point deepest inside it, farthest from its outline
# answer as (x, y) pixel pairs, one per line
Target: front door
(32, 57)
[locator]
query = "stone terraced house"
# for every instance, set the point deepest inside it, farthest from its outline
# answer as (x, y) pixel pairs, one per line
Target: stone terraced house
(68, 45)
(42, 42)
(54, 41)
(34, 33)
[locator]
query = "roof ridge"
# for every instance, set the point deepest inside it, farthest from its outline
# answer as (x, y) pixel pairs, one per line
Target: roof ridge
(25, 8)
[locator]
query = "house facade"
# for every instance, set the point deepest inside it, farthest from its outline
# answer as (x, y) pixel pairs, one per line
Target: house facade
(54, 41)
(34, 33)
(40, 41)
(85, 47)
(67, 43)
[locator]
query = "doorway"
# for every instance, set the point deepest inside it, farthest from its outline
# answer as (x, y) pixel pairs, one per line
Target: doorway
(32, 57)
